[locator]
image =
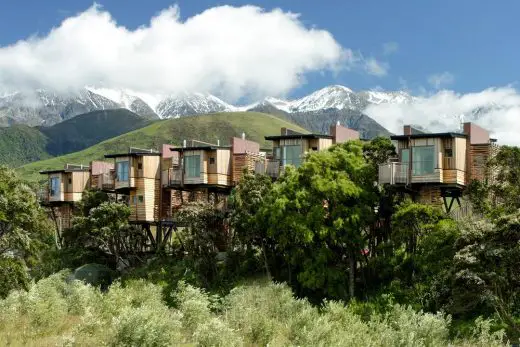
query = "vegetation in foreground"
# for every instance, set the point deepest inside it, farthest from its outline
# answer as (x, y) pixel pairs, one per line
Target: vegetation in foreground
(365, 264)
(55, 312)
(209, 128)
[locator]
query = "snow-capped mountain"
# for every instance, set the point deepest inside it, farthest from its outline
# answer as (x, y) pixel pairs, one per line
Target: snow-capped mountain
(335, 97)
(129, 100)
(43, 107)
(185, 104)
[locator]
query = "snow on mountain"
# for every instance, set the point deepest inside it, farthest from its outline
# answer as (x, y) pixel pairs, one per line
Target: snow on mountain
(185, 104)
(338, 97)
(130, 100)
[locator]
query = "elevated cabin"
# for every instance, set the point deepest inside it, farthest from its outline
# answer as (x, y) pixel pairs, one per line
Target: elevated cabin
(137, 175)
(433, 167)
(290, 147)
(64, 187)
(205, 172)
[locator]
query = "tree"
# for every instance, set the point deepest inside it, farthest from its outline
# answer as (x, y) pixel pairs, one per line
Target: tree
(486, 266)
(106, 228)
(318, 213)
(247, 198)
(24, 227)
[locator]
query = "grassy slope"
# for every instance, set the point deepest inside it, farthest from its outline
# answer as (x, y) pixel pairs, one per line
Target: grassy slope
(20, 144)
(209, 128)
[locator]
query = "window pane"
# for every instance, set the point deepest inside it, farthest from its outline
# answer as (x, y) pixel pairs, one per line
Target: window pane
(55, 186)
(192, 165)
(122, 171)
(422, 160)
(292, 155)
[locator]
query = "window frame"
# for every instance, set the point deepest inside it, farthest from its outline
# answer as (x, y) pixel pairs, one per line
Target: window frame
(120, 172)
(295, 161)
(54, 191)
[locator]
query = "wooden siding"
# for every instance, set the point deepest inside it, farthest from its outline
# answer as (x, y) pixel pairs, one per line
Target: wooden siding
(146, 210)
(430, 195)
(219, 172)
(478, 156)
(72, 185)
(247, 161)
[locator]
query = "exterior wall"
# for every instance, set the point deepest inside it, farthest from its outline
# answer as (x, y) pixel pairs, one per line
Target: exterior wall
(430, 195)
(251, 161)
(203, 178)
(100, 172)
(477, 135)
(239, 145)
(219, 172)
(342, 134)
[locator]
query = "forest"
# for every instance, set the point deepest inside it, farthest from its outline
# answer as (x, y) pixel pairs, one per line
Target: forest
(321, 257)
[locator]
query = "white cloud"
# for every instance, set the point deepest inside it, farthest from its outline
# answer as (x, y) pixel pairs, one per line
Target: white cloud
(440, 80)
(376, 68)
(390, 48)
(499, 112)
(230, 51)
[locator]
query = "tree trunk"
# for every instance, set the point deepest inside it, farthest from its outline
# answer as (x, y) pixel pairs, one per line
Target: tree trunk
(268, 273)
(352, 274)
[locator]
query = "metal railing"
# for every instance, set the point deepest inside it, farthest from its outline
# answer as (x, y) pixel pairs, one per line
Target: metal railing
(107, 180)
(394, 173)
(174, 176)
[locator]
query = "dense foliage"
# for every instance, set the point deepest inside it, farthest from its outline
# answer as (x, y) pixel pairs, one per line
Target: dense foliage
(367, 265)
(61, 313)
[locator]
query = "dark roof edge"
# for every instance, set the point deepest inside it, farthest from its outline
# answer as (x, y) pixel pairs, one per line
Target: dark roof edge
(133, 154)
(417, 136)
(299, 136)
(203, 148)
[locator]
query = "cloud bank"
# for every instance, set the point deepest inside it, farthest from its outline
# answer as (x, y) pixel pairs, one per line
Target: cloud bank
(229, 51)
(495, 109)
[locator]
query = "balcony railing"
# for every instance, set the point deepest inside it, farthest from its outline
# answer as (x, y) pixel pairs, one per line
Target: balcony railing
(174, 176)
(394, 173)
(107, 181)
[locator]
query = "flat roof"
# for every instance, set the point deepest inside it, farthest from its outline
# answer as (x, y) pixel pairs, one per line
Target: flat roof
(424, 136)
(64, 170)
(202, 148)
(132, 154)
(298, 136)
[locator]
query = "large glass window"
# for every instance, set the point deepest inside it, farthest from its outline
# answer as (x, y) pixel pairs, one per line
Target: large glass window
(291, 155)
(192, 165)
(55, 186)
(122, 170)
(422, 160)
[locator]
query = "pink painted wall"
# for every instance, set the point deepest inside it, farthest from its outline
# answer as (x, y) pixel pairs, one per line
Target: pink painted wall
(343, 134)
(477, 135)
(242, 146)
(166, 152)
(100, 167)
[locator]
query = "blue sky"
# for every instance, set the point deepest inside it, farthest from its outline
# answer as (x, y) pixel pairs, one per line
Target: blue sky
(474, 42)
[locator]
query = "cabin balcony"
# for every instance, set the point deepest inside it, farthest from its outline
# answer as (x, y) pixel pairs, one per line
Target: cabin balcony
(396, 173)
(174, 177)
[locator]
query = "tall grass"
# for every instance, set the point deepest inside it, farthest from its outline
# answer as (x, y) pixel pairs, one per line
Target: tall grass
(55, 312)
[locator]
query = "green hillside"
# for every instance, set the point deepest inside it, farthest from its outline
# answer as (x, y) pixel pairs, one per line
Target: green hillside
(90, 128)
(209, 128)
(22, 144)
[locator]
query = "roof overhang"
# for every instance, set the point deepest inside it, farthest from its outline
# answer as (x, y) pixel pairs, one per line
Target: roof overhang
(299, 136)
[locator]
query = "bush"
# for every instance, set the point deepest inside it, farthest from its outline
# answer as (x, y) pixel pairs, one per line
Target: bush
(12, 276)
(55, 311)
